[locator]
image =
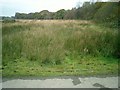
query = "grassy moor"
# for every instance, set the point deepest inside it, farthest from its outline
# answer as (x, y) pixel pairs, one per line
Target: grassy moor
(58, 47)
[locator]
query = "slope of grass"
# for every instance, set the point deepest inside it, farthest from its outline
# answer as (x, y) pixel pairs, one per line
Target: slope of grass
(86, 66)
(58, 47)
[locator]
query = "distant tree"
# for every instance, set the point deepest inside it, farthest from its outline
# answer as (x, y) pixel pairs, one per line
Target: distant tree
(21, 16)
(108, 13)
(8, 19)
(60, 14)
(17, 16)
(86, 11)
(70, 14)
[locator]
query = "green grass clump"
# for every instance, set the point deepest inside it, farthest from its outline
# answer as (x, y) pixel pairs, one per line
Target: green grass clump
(60, 47)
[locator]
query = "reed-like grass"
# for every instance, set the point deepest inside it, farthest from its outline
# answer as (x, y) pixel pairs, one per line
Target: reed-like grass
(50, 42)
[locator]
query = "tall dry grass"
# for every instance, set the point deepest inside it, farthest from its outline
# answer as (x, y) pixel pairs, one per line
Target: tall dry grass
(50, 41)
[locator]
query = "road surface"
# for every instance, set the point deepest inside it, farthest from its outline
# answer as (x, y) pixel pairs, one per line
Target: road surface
(62, 82)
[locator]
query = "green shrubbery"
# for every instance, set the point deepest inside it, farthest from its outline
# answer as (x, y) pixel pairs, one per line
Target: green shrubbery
(8, 20)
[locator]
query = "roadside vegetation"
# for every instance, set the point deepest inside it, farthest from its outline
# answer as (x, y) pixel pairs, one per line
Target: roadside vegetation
(82, 41)
(58, 47)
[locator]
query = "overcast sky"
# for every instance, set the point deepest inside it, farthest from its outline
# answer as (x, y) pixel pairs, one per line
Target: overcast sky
(10, 7)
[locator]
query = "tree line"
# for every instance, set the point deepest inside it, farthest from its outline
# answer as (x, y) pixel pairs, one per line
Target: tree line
(99, 11)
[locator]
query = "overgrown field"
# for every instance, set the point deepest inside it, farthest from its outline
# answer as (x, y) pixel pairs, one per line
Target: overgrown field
(58, 47)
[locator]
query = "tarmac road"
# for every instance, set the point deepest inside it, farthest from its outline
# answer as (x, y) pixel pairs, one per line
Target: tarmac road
(62, 82)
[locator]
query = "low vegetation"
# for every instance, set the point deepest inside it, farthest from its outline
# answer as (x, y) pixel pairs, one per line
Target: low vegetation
(58, 47)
